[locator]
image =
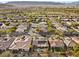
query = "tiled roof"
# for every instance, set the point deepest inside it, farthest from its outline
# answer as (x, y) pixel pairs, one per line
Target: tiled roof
(56, 43)
(75, 39)
(5, 44)
(69, 42)
(21, 44)
(40, 43)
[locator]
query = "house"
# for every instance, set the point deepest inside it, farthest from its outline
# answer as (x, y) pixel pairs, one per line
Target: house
(69, 43)
(62, 28)
(34, 25)
(33, 28)
(21, 28)
(43, 26)
(3, 26)
(43, 29)
(13, 24)
(5, 42)
(40, 45)
(3, 17)
(40, 19)
(17, 17)
(8, 20)
(68, 23)
(77, 18)
(65, 19)
(75, 39)
(56, 45)
(21, 43)
(74, 19)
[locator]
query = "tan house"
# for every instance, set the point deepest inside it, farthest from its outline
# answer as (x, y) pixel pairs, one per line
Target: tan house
(23, 44)
(69, 42)
(40, 45)
(56, 45)
(75, 39)
(5, 42)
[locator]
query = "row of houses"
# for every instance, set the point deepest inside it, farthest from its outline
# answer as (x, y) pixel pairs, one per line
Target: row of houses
(39, 17)
(20, 27)
(40, 44)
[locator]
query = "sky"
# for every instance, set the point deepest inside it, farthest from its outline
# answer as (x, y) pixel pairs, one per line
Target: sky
(40, 0)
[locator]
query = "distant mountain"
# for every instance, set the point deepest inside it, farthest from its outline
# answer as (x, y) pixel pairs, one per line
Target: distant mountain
(2, 5)
(34, 3)
(43, 3)
(75, 3)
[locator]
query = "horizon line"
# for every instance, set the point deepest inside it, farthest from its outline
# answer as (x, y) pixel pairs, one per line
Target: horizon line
(40, 1)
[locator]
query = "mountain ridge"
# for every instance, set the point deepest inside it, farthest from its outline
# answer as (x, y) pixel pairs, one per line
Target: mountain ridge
(35, 2)
(42, 3)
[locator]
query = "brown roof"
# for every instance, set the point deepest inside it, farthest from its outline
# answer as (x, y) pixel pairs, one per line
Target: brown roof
(75, 39)
(56, 43)
(17, 44)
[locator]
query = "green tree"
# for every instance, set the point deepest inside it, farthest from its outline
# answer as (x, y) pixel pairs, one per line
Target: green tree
(6, 54)
(2, 20)
(57, 32)
(58, 19)
(76, 51)
(30, 18)
(11, 29)
(50, 29)
(49, 22)
(7, 23)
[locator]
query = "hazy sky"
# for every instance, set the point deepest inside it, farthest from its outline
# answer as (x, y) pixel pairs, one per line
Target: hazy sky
(40, 0)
